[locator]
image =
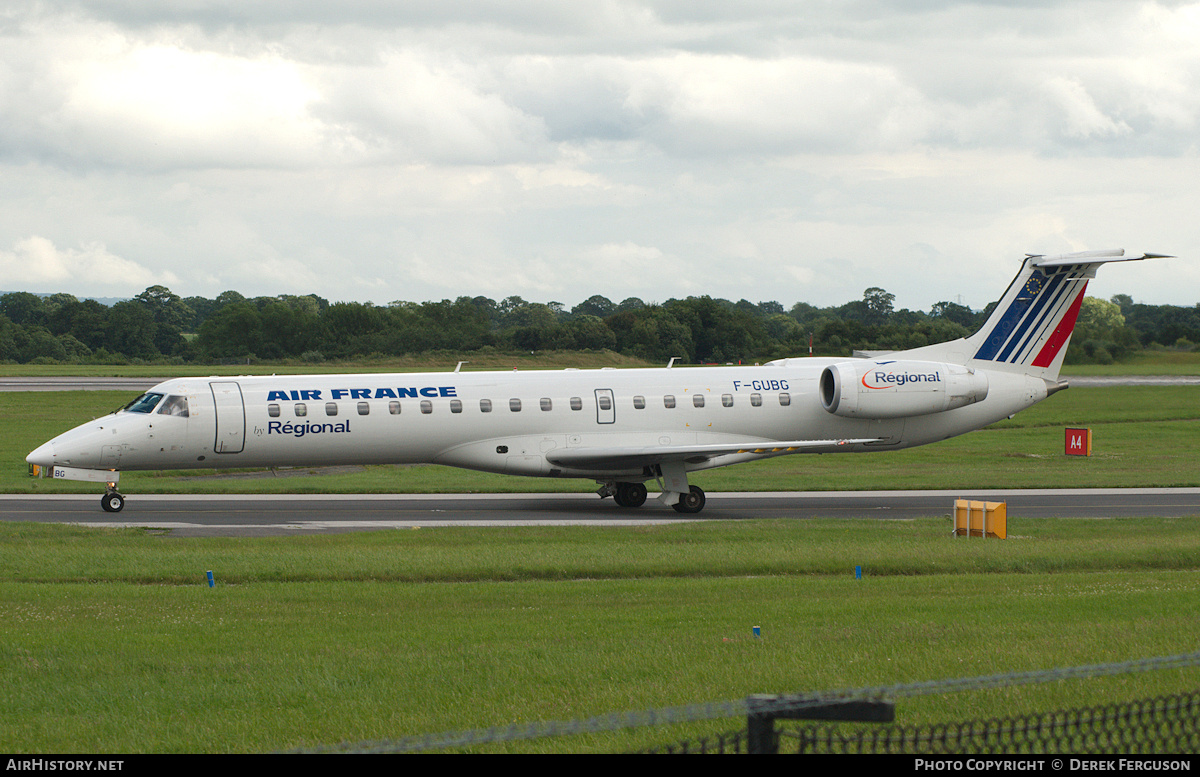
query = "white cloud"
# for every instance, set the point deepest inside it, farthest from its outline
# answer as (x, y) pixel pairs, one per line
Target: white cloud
(174, 105)
(1075, 113)
(411, 107)
(36, 263)
(654, 148)
(738, 104)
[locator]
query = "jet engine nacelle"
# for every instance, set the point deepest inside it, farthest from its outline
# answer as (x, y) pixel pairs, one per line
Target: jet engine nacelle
(896, 389)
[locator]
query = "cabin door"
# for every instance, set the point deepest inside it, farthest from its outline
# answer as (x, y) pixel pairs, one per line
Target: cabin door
(231, 417)
(606, 409)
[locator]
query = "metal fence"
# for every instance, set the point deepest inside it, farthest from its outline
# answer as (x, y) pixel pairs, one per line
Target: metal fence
(1165, 724)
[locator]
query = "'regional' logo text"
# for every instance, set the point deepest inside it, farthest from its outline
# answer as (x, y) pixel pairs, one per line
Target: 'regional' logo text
(306, 428)
(881, 379)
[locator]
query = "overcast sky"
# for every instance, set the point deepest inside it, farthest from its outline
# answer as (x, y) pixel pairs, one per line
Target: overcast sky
(428, 149)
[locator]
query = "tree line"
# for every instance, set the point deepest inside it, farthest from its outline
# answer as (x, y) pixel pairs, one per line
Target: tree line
(159, 325)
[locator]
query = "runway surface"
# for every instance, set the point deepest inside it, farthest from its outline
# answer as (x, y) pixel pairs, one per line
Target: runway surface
(78, 384)
(223, 515)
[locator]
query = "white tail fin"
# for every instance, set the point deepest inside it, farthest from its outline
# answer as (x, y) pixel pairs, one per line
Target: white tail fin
(1032, 324)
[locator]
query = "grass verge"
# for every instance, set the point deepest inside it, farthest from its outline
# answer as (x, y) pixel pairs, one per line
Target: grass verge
(114, 643)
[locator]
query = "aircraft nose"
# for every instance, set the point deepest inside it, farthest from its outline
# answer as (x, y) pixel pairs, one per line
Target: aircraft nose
(82, 446)
(43, 455)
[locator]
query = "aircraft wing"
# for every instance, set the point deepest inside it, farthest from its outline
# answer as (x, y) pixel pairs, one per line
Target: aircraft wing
(624, 457)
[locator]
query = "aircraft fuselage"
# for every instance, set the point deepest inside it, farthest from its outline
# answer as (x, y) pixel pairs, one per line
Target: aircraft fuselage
(500, 421)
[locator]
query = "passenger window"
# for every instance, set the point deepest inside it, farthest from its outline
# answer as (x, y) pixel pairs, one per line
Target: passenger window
(785, 399)
(273, 411)
(605, 402)
(639, 403)
(545, 403)
(456, 406)
(727, 400)
(426, 406)
(514, 405)
(669, 401)
(364, 408)
(698, 400)
(485, 405)
(331, 408)
(576, 403)
(756, 400)
(178, 406)
(394, 407)
(301, 409)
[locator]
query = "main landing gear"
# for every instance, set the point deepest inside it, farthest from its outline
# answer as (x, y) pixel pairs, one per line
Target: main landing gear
(630, 494)
(691, 502)
(112, 502)
(624, 494)
(634, 495)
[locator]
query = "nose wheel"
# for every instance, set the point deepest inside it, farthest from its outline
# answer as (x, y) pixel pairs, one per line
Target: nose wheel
(112, 502)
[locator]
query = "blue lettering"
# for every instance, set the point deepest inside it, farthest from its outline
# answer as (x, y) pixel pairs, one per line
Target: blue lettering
(276, 395)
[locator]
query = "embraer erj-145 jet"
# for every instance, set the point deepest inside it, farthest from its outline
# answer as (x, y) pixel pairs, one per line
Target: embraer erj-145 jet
(624, 428)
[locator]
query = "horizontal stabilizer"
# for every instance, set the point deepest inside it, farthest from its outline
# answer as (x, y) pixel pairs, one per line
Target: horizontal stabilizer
(625, 457)
(1089, 257)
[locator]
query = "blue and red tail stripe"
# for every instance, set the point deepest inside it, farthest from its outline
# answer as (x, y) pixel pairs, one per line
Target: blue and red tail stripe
(1062, 332)
(1038, 320)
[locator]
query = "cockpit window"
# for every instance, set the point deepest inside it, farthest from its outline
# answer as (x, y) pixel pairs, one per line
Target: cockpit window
(177, 406)
(144, 404)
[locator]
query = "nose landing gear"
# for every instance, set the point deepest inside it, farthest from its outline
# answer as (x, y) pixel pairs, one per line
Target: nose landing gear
(112, 502)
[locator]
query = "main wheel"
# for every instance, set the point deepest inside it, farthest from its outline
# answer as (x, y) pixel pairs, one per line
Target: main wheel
(112, 502)
(630, 494)
(691, 502)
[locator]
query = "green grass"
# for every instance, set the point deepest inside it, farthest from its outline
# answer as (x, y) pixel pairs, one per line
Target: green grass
(1143, 363)
(113, 642)
(1142, 436)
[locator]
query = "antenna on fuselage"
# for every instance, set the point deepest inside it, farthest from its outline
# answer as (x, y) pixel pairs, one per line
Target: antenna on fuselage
(460, 364)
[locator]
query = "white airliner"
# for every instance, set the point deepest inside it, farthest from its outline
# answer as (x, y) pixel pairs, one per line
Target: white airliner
(623, 428)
